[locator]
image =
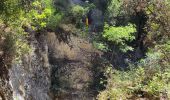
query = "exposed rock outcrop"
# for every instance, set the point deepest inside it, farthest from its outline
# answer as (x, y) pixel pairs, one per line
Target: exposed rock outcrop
(61, 66)
(72, 68)
(6, 56)
(31, 78)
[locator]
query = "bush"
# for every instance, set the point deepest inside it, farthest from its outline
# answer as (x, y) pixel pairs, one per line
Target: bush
(120, 35)
(114, 10)
(9, 10)
(76, 14)
(158, 22)
(43, 14)
(12, 18)
(100, 46)
(54, 20)
(149, 79)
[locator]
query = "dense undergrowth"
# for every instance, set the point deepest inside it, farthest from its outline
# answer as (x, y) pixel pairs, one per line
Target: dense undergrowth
(149, 77)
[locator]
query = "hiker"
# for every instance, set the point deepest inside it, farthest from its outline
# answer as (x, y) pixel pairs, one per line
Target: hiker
(86, 20)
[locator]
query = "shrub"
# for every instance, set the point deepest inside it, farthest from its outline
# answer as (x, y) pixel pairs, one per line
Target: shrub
(9, 9)
(120, 35)
(114, 10)
(77, 12)
(54, 20)
(100, 46)
(149, 79)
(12, 18)
(158, 22)
(44, 15)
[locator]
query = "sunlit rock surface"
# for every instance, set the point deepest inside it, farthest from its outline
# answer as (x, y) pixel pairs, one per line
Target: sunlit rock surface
(31, 79)
(5, 90)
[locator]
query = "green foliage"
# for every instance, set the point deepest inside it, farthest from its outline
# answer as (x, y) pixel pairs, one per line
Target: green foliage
(76, 13)
(54, 20)
(10, 10)
(15, 44)
(114, 10)
(39, 15)
(44, 16)
(114, 7)
(120, 35)
(89, 6)
(149, 79)
(100, 46)
(9, 43)
(11, 16)
(21, 44)
(78, 10)
(157, 25)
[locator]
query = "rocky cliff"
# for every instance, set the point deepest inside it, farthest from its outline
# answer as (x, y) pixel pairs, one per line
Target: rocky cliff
(61, 66)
